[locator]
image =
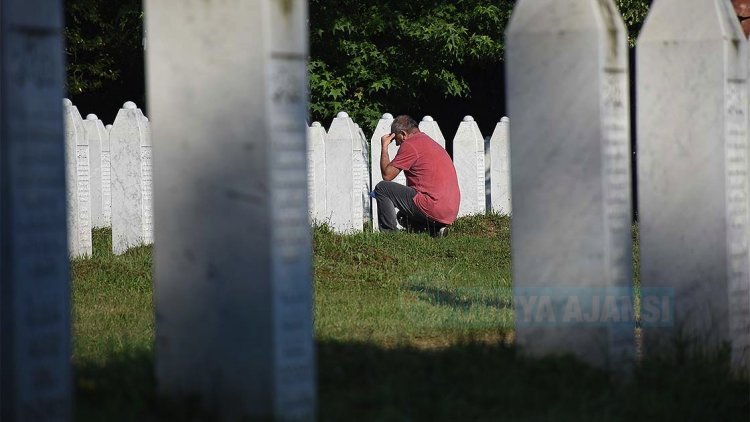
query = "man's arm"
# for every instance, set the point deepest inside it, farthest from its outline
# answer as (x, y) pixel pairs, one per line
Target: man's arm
(388, 171)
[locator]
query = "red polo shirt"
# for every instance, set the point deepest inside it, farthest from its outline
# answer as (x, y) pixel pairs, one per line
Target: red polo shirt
(429, 170)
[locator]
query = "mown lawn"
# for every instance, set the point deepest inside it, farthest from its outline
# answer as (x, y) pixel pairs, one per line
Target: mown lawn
(409, 328)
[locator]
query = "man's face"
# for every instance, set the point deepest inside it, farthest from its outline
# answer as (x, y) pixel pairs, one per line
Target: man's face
(400, 136)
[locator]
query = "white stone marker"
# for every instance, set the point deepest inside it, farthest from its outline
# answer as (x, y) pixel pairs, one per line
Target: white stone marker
(383, 128)
(131, 173)
(429, 126)
(500, 168)
(316, 172)
(692, 166)
(233, 268)
(468, 158)
(344, 176)
(101, 198)
(35, 347)
(78, 176)
(363, 161)
(570, 147)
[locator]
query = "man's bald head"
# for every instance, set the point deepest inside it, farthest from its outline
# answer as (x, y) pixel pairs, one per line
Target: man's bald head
(404, 123)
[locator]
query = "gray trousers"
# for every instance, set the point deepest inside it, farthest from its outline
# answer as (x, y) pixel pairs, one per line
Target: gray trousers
(392, 195)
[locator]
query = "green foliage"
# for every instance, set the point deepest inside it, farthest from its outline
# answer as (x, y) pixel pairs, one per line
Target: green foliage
(633, 13)
(369, 56)
(102, 39)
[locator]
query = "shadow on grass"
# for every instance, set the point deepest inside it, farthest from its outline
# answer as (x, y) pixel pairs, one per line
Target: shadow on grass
(458, 302)
(471, 381)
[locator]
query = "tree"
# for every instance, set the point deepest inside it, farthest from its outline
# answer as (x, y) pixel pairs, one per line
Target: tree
(372, 55)
(633, 13)
(103, 40)
(367, 56)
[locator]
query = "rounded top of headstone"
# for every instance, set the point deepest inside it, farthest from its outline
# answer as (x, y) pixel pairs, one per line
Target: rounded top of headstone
(387, 116)
(428, 119)
(342, 115)
(108, 127)
(129, 105)
(92, 116)
(316, 124)
(67, 102)
(468, 119)
(505, 119)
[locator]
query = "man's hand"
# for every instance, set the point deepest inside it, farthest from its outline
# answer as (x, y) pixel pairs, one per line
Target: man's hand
(388, 171)
(387, 139)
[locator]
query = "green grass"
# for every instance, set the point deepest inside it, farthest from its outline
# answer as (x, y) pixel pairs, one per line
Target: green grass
(409, 328)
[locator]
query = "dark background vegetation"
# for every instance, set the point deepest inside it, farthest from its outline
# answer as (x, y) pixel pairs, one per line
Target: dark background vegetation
(438, 57)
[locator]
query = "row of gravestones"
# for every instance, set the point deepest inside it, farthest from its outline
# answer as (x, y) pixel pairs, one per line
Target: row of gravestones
(343, 169)
(568, 98)
(233, 282)
(108, 178)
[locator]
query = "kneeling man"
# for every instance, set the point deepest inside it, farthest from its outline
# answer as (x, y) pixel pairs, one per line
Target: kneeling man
(430, 200)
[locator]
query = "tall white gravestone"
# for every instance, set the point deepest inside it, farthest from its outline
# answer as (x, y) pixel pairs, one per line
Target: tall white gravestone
(78, 176)
(316, 172)
(376, 176)
(468, 158)
(363, 161)
(429, 126)
(692, 173)
(567, 85)
(344, 176)
(233, 268)
(101, 199)
(500, 168)
(132, 180)
(35, 346)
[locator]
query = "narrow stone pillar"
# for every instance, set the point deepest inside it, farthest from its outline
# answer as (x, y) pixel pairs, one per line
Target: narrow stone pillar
(500, 168)
(132, 180)
(35, 346)
(383, 127)
(101, 198)
(692, 178)
(344, 176)
(468, 158)
(233, 267)
(316, 172)
(567, 82)
(78, 177)
(363, 162)
(429, 126)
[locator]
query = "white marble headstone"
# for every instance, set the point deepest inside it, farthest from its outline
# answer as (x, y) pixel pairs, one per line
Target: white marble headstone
(316, 172)
(500, 168)
(468, 158)
(567, 82)
(363, 161)
(132, 180)
(35, 345)
(693, 169)
(344, 176)
(101, 199)
(78, 173)
(233, 280)
(383, 127)
(430, 127)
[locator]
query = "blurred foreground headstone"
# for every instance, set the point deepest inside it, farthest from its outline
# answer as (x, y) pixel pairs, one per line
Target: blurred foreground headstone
(233, 270)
